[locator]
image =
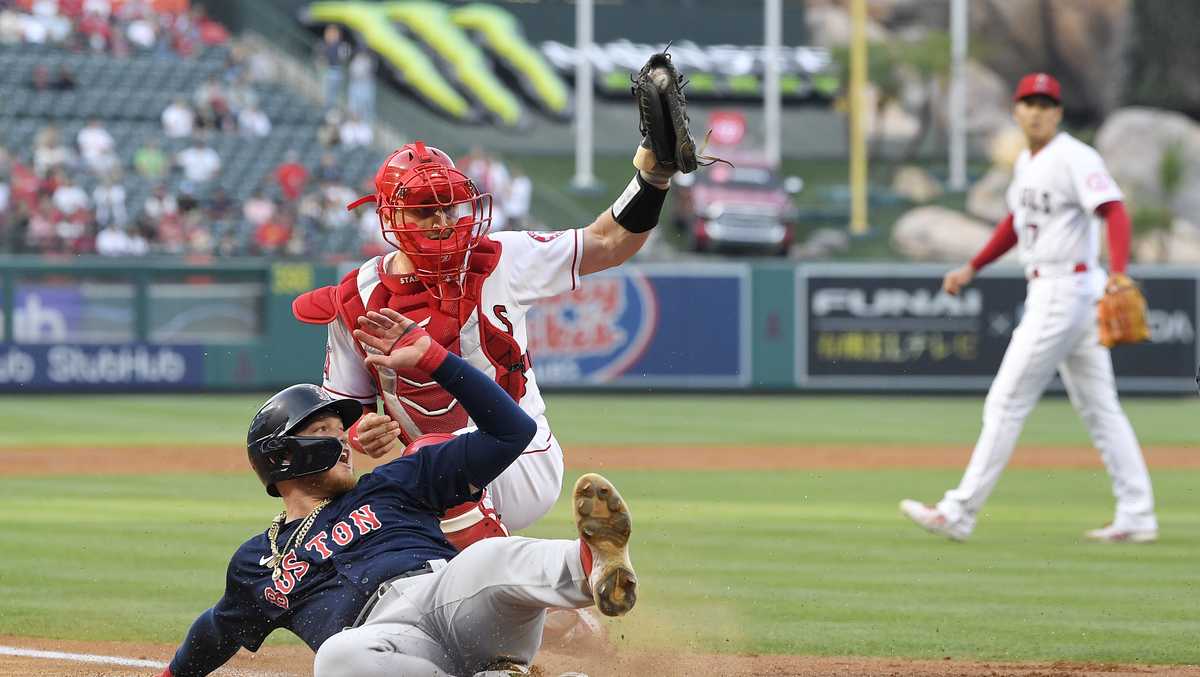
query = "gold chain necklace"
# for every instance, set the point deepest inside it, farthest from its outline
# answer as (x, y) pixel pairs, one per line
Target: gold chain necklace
(297, 536)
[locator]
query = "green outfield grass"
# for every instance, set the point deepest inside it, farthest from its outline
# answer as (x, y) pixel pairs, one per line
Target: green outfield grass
(785, 562)
(790, 562)
(114, 421)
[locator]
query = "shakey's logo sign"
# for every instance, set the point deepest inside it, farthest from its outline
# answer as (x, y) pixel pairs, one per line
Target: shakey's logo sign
(594, 334)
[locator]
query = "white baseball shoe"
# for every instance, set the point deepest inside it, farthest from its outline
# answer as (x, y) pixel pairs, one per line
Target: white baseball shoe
(932, 520)
(1110, 534)
(602, 517)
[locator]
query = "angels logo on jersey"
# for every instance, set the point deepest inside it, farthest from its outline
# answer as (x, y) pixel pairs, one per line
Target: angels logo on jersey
(544, 236)
(596, 332)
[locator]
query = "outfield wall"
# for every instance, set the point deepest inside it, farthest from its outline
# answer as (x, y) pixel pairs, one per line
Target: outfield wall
(103, 326)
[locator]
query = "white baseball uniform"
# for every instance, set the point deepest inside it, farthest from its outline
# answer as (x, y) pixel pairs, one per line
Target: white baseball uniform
(1053, 199)
(531, 266)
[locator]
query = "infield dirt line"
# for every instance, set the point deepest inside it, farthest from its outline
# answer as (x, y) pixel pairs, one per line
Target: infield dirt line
(163, 459)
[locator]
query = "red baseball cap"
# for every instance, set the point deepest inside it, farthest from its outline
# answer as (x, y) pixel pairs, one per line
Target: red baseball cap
(1038, 83)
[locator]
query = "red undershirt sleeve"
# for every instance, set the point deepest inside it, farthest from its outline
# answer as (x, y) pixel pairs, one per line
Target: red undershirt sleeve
(1003, 239)
(1119, 233)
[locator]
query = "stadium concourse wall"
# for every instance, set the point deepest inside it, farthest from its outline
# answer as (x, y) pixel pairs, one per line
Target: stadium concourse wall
(97, 325)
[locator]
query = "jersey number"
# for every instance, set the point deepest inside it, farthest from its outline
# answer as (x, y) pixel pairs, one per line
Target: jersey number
(1033, 231)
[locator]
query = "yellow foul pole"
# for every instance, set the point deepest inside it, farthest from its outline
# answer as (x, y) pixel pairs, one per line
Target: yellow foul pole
(858, 144)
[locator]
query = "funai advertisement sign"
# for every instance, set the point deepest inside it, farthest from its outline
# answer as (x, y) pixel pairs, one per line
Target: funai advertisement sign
(651, 325)
(79, 368)
(864, 327)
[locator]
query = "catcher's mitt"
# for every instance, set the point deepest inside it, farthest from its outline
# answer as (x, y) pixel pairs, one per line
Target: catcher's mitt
(662, 110)
(1122, 312)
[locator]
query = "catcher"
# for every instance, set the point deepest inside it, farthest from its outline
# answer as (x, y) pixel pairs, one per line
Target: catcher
(1072, 317)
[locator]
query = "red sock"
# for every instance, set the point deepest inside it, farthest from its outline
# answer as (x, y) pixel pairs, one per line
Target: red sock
(585, 557)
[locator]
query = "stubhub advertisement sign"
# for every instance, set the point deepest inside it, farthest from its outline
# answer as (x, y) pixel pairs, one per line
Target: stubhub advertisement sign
(79, 368)
(646, 326)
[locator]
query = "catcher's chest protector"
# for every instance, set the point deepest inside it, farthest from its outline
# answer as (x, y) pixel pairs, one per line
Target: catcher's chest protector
(430, 408)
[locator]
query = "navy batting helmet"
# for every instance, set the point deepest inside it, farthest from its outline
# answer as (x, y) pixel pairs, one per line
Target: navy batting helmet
(276, 454)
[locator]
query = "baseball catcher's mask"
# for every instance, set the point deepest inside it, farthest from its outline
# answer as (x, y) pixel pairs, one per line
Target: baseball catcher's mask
(276, 454)
(432, 212)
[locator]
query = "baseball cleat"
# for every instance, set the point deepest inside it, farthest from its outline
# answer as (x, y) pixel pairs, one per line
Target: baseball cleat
(604, 524)
(1110, 534)
(932, 520)
(504, 668)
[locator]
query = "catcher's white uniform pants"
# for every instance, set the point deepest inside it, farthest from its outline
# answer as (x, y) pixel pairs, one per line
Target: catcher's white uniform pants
(488, 603)
(529, 487)
(1058, 331)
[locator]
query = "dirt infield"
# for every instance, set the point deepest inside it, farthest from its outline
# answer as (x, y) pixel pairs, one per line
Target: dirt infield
(154, 460)
(289, 661)
(281, 661)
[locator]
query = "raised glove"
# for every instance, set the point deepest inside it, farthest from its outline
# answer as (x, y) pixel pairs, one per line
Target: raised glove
(1122, 312)
(667, 144)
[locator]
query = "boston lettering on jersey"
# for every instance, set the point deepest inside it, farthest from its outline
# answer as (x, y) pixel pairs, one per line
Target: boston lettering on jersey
(292, 570)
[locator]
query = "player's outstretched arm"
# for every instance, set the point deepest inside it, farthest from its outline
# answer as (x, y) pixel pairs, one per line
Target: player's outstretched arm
(505, 430)
(1003, 239)
(217, 635)
(618, 233)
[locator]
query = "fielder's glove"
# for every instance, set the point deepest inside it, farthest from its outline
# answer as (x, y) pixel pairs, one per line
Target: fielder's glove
(667, 144)
(1122, 312)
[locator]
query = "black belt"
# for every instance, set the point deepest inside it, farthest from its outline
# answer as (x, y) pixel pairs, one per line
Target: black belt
(425, 568)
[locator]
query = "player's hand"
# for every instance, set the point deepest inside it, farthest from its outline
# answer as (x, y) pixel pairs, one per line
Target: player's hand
(400, 343)
(958, 278)
(374, 435)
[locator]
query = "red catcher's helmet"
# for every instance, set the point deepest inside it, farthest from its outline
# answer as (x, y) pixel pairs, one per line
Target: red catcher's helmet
(431, 212)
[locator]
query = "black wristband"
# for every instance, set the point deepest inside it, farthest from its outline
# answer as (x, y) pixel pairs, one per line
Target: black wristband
(638, 207)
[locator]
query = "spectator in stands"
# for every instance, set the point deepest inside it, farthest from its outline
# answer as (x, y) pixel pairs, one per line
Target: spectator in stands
(97, 146)
(40, 234)
(141, 31)
(258, 209)
(178, 120)
(121, 240)
(109, 198)
(68, 197)
(520, 196)
(329, 133)
(49, 153)
(242, 94)
(253, 122)
(200, 164)
(360, 94)
(39, 79)
(149, 160)
(64, 80)
(328, 170)
(355, 132)
(212, 105)
(220, 207)
(96, 30)
(291, 176)
(272, 235)
(332, 57)
(160, 204)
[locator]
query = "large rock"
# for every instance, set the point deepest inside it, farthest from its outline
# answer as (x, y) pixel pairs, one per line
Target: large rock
(939, 234)
(1134, 143)
(916, 184)
(985, 199)
(1081, 42)
(829, 26)
(989, 103)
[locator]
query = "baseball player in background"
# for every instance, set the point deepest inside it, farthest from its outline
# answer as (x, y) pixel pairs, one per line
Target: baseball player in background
(1060, 190)
(361, 570)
